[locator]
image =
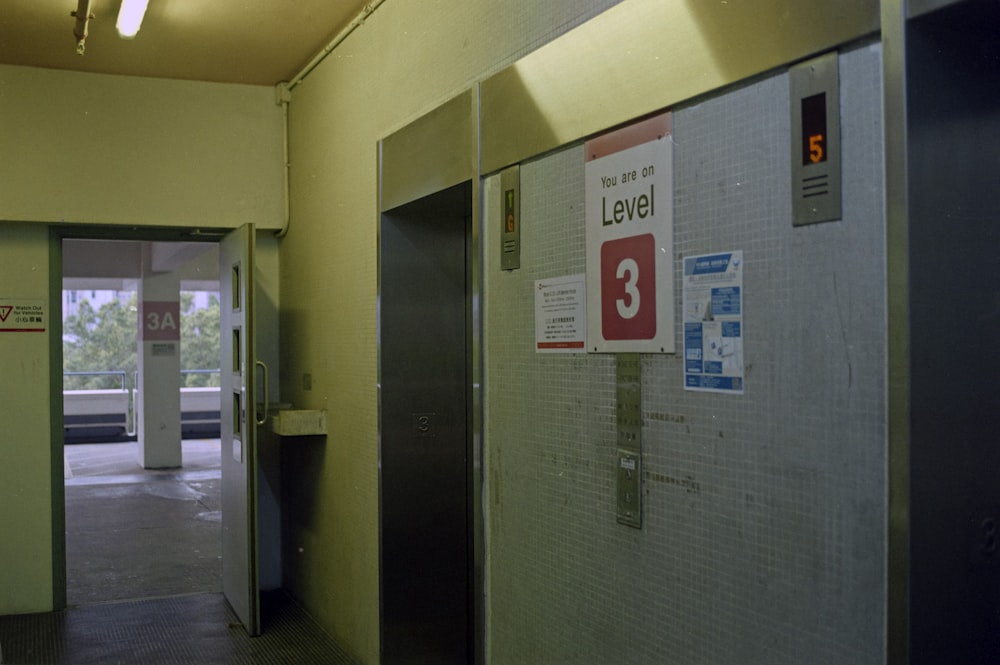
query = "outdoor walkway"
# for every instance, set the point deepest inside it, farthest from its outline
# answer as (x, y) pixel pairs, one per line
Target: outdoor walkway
(132, 533)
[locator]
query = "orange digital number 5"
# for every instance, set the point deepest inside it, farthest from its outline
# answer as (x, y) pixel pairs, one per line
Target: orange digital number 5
(816, 148)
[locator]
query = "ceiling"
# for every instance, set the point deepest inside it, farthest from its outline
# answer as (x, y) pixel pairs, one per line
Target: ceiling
(234, 41)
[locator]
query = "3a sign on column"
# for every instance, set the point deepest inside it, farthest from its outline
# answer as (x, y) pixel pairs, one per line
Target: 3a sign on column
(630, 280)
(161, 320)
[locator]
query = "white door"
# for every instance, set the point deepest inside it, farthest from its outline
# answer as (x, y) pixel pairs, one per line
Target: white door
(240, 576)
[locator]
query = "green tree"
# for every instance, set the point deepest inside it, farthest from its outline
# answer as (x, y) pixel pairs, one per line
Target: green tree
(200, 340)
(102, 340)
(106, 340)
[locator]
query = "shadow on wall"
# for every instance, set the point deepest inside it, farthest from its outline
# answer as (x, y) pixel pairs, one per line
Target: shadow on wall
(303, 462)
(524, 91)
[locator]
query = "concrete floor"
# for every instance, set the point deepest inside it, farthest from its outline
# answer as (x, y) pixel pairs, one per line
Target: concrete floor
(132, 533)
(144, 569)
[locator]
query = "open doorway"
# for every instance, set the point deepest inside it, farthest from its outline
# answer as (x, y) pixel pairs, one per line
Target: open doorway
(136, 527)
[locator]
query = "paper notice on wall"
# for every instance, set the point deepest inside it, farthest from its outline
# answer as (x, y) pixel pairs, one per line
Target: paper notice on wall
(21, 315)
(713, 322)
(561, 314)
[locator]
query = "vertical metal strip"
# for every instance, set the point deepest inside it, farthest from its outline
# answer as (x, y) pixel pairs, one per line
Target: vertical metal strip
(476, 421)
(628, 390)
(56, 422)
(628, 457)
(893, 16)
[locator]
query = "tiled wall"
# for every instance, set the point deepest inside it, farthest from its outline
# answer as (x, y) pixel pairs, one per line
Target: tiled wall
(763, 534)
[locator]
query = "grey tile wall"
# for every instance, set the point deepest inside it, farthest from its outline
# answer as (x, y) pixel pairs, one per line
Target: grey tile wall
(763, 538)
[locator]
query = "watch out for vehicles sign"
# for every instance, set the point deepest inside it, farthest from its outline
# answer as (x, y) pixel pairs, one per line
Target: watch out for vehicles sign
(629, 197)
(22, 315)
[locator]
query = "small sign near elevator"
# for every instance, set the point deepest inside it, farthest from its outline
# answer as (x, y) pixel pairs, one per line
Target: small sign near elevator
(561, 314)
(629, 197)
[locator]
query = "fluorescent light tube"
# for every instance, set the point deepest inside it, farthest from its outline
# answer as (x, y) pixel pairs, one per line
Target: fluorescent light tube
(130, 17)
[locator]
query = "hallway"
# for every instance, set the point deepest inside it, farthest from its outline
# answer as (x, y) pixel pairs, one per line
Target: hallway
(144, 572)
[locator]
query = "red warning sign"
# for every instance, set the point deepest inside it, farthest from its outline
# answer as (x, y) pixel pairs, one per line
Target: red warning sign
(5, 311)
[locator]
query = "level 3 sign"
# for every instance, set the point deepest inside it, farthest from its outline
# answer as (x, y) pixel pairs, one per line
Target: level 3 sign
(629, 197)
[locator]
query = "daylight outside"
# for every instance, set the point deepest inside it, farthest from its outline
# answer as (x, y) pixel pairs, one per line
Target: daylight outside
(100, 340)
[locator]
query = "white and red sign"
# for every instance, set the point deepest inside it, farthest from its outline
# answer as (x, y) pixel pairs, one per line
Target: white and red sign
(561, 314)
(630, 278)
(21, 315)
(161, 321)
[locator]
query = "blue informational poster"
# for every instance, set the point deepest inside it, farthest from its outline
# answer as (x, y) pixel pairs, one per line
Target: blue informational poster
(713, 322)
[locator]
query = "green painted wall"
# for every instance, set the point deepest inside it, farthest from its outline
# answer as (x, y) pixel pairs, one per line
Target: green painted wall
(102, 149)
(25, 434)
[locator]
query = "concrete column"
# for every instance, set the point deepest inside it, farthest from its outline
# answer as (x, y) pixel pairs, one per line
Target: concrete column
(158, 408)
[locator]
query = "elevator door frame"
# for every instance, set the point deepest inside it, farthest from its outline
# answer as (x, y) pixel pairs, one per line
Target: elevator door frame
(434, 153)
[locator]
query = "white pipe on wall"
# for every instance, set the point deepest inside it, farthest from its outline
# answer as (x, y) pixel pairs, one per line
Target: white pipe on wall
(283, 92)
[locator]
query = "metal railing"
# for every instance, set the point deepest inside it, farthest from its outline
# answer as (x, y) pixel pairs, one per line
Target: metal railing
(122, 381)
(196, 372)
(123, 375)
(120, 373)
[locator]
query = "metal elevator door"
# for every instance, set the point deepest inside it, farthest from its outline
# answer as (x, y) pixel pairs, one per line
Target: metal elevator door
(426, 564)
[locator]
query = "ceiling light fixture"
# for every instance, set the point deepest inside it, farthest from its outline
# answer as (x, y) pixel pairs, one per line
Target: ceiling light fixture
(130, 17)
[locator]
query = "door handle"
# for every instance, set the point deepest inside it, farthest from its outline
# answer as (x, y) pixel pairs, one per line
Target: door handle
(263, 421)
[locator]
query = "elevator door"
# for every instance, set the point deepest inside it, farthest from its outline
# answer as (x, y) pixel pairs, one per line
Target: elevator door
(424, 329)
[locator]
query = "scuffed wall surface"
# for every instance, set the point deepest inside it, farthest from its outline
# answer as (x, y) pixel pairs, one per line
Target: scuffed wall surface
(763, 535)
(405, 60)
(25, 433)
